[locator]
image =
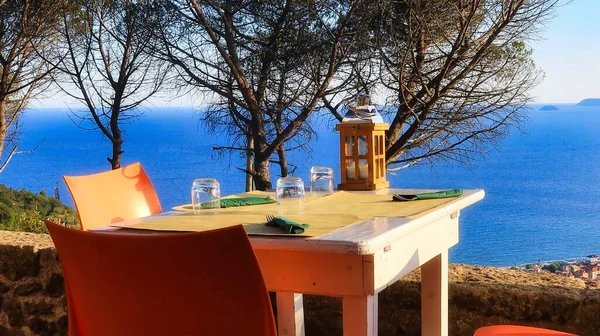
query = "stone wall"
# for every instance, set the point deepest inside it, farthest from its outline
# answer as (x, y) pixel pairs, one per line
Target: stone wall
(32, 299)
(478, 296)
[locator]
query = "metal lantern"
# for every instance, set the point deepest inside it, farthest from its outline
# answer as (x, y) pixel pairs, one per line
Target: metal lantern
(362, 147)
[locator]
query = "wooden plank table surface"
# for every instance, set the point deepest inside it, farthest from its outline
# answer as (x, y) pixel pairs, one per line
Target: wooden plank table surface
(358, 261)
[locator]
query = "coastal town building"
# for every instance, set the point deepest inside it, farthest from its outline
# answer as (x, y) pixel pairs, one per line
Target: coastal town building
(587, 269)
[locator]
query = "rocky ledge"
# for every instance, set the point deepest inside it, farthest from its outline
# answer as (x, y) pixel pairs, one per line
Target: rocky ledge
(32, 300)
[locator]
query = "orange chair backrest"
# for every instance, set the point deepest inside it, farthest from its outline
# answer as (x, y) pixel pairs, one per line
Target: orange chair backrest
(514, 330)
(113, 196)
(202, 283)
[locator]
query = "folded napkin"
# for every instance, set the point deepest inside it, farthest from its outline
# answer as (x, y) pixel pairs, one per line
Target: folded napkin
(288, 225)
(427, 195)
(241, 201)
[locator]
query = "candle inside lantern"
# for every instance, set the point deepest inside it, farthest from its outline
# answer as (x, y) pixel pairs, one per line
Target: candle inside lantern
(362, 174)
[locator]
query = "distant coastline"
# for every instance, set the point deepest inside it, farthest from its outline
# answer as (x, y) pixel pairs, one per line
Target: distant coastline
(585, 259)
(589, 102)
(585, 268)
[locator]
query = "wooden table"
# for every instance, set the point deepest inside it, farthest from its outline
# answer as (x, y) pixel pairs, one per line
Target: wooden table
(360, 260)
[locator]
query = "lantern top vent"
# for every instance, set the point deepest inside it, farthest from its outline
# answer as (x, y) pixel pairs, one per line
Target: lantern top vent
(362, 111)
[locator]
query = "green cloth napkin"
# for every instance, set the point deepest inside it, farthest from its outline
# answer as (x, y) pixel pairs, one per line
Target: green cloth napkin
(241, 201)
(288, 225)
(428, 195)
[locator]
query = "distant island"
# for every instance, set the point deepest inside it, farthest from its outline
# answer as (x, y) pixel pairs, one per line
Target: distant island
(589, 102)
(549, 108)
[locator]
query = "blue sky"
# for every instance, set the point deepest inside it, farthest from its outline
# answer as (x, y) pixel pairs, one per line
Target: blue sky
(569, 54)
(568, 51)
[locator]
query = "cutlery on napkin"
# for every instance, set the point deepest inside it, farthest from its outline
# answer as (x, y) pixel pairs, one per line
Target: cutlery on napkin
(427, 195)
(240, 201)
(288, 225)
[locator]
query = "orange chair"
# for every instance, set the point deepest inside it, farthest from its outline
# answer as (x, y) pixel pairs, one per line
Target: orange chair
(202, 283)
(113, 196)
(509, 330)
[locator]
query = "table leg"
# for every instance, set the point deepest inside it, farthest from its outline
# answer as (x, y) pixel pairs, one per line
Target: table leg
(434, 296)
(290, 314)
(360, 315)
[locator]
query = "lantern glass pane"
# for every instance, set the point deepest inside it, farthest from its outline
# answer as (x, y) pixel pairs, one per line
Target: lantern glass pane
(362, 145)
(349, 145)
(350, 168)
(363, 166)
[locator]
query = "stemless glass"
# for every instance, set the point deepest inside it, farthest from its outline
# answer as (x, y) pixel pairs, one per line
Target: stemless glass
(290, 195)
(206, 195)
(321, 180)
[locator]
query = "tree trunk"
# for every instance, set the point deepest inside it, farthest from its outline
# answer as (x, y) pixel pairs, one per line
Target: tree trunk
(282, 161)
(262, 178)
(115, 160)
(117, 134)
(3, 129)
(249, 166)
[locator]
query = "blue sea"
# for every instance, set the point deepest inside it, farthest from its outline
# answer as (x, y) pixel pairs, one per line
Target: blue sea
(542, 182)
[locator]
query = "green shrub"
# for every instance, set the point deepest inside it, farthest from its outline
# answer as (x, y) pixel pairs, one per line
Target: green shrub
(6, 214)
(554, 267)
(25, 211)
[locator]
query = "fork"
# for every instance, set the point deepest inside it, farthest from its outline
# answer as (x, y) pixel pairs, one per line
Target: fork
(270, 218)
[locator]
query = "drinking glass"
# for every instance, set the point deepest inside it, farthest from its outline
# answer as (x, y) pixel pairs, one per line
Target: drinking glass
(290, 195)
(206, 195)
(321, 180)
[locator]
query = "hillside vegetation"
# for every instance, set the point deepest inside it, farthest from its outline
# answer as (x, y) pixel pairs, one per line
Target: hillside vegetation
(25, 211)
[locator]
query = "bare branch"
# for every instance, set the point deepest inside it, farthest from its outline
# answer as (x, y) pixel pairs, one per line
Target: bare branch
(27, 38)
(109, 61)
(269, 62)
(458, 74)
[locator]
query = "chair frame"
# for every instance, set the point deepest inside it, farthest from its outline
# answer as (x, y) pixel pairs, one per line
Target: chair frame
(200, 283)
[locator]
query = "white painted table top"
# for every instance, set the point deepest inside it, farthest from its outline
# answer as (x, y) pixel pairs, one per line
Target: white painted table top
(363, 238)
